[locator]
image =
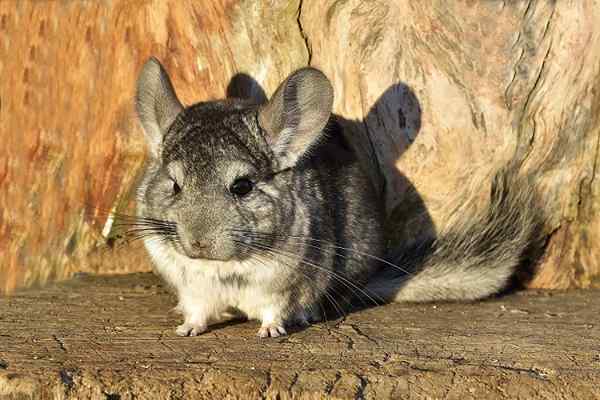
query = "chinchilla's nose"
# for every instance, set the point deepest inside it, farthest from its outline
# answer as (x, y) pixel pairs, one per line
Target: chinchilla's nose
(201, 237)
(199, 244)
(197, 248)
(207, 247)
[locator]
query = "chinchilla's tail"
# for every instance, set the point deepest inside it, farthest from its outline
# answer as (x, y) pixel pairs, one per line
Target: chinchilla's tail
(473, 259)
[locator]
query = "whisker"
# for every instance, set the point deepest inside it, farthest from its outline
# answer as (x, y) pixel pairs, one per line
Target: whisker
(329, 243)
(340, 278)
(329, 297)
(336, 277)
(135, 228)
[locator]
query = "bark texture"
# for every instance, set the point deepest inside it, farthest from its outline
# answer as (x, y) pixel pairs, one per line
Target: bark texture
(443, 93)
(112, 338)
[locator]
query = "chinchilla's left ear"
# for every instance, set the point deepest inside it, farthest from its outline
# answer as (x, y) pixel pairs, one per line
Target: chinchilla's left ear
(156, 103)
(296, 114)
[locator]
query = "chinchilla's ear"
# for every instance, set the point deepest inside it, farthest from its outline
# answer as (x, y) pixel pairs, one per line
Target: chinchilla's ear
(156, 103)
(295, 116)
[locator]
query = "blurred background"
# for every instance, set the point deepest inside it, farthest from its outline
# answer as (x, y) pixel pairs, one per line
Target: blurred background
(443, 94)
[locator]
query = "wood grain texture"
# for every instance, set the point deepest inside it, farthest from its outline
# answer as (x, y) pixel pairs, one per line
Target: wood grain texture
(109, 338)
(443, 93)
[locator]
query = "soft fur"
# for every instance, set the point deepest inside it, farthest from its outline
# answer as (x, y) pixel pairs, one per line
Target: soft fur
(309, 231)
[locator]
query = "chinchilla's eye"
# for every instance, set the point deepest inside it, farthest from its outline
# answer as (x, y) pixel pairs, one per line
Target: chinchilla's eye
(176, 188)
(241, 187)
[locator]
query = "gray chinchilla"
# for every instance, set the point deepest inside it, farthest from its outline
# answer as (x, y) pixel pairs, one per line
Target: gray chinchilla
(264, 211)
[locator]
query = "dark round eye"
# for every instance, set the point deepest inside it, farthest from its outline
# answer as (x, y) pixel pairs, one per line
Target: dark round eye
(176, 188)
(241, 187)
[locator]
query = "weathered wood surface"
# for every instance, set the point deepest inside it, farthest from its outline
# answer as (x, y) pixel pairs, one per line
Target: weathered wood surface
(113, 338)
(448, 92)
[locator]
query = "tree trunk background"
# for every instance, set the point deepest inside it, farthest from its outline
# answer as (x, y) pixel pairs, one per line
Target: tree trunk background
(443, 93)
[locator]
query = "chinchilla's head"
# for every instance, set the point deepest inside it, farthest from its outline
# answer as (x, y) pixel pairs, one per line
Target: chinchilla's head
(219, 172)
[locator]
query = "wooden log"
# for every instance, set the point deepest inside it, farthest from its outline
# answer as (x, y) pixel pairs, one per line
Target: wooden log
(113, 338)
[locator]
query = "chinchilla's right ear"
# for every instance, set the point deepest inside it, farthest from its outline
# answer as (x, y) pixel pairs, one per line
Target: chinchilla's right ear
(156, 103)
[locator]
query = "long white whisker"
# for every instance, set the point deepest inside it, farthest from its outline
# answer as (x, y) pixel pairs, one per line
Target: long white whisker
(331, 244)
(341, 278)
(332, 300)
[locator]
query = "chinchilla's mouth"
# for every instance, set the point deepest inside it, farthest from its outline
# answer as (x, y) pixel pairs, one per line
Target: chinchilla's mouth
(202, 256)
(208, 254)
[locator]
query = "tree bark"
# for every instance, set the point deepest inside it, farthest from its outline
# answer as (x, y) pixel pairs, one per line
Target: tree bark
(443, 93)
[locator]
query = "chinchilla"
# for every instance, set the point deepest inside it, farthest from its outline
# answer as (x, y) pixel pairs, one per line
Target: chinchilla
(264, 211)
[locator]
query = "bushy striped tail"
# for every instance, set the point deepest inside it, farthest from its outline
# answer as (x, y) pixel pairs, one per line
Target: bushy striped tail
(475, 258)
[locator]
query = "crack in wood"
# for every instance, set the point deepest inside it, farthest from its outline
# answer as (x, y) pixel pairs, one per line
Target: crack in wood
(303, 33)
(60, 342)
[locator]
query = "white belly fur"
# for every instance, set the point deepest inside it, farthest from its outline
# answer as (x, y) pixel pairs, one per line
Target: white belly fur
(200, 288)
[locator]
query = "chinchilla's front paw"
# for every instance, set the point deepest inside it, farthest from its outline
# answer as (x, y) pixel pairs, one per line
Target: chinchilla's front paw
(189, 329)
(271, 330)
